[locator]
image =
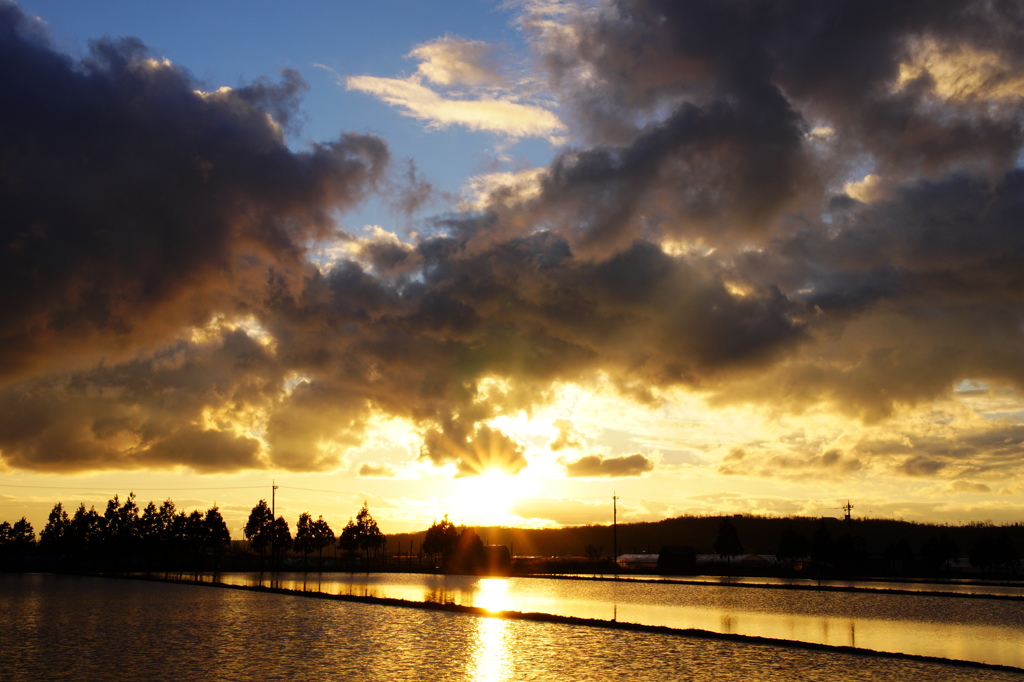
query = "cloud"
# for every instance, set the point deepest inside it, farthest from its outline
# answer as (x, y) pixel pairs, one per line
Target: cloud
(562, 512)
(493, 189)
(486, 449)
(190, 404)
(567, 439)
(960, 72)
(791, 463)
(494, 103)
(485, 114)
(968, 487)
(457, 61)
(146, 207)
(368, 470)
(807, 208)
(596, 466)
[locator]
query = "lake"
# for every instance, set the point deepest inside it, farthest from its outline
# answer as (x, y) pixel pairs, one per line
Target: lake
(86, 628)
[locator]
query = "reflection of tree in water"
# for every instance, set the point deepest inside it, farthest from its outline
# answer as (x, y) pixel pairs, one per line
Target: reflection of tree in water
(444, 594)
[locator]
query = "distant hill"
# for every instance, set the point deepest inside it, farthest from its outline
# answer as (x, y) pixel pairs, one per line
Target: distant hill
(759, 535)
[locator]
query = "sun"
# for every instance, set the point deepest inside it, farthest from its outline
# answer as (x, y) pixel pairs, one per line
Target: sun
(487, 499)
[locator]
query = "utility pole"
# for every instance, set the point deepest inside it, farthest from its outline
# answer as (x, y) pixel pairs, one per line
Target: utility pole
(273, 523)
(615, 533)
(848, 508)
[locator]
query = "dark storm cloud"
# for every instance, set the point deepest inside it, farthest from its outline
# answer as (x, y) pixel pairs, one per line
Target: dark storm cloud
(910, 294)
(956, 239)
(596, 466)
(767, 102)
(134, 205)
(159, 307)
(728, 167)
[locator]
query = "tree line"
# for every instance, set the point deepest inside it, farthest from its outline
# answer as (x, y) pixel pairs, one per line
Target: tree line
(271, 538)
(125, 537)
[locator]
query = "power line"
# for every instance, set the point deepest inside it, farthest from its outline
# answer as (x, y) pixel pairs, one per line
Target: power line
(130, 488)
(551, 498)
(314, 490)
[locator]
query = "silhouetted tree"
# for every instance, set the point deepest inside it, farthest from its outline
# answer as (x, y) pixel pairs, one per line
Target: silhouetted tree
(6, 546)
(281, 541)
(728, 544)
(128, 526)
(982, 554)
(312, 536)
(57, 531)
(1005, 553)
(792, 545)
(111, 527)
(441, 540)
(23, 535)
(304, 543)
(216, 536)
(167, 513)
(821, 545)
(150, 534)
(362, 534)
(193, 535)
(323, 536)
(259, 528)
(371, 540)
(86, 534)
(17, 540)
(937, 552)
(120, 530)
(851, 552)
(170, 542)
(468, 556)
(899, 555)
(990, 553)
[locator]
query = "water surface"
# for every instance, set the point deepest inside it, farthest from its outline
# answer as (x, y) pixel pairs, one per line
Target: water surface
(81, 628)
(973, 629)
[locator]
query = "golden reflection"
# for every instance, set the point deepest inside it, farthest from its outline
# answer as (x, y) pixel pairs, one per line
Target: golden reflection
(493, 595)
(491, 651)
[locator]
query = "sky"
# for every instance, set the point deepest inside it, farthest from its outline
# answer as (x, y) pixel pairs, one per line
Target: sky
(506, 261)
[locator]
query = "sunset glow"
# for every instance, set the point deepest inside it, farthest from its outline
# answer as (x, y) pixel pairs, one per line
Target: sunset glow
(505, 260)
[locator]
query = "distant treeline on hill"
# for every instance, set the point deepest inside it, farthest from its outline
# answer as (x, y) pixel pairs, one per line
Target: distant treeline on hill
(125, 537)
(856, 546)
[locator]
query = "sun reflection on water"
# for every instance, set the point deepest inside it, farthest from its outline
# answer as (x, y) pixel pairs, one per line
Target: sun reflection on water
(492, 657)
(493, 594)
(491, 651)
